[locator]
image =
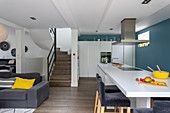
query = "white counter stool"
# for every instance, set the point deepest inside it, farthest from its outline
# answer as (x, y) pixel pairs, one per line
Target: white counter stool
(117, 99)
(108, 89)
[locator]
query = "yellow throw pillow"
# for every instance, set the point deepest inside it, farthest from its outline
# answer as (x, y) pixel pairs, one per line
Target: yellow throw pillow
(21, 83)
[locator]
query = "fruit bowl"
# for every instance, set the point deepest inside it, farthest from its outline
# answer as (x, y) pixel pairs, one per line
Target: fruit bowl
(161, 75)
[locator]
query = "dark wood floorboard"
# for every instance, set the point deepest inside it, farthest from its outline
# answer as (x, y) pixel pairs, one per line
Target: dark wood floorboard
(71, 100)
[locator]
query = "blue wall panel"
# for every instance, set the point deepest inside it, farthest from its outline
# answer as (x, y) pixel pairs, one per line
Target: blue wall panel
(96, 37)
(158, 52)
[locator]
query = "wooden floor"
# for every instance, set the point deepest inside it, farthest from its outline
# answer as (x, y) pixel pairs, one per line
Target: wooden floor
(71, 100)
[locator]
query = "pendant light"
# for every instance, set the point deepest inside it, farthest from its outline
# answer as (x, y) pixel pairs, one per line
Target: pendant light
(3, 33)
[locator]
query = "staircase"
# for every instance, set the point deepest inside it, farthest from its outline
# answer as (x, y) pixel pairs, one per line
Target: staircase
(61, 76)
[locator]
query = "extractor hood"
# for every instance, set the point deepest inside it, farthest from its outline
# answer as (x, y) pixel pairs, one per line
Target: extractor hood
(128, 33)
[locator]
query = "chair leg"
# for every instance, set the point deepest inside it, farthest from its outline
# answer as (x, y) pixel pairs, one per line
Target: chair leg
(102, 109)
(120, 109)
(115, 109)
(152, 103)
(99, 106)
(95, 106)
(128, 109)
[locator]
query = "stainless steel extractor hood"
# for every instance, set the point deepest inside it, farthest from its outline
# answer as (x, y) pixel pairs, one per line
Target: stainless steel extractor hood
(128, 33)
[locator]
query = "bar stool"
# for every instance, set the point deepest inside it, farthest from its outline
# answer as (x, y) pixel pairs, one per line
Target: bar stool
(158, 98)
(117, 99)
(108, 89)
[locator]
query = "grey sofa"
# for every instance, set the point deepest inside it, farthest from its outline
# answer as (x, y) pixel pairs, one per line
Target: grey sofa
(159, 106)
(24, 98)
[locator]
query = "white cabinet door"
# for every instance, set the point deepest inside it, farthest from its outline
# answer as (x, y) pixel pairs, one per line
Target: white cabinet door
(94, 58)
(117, 52)
(83, 59)
(105, 46)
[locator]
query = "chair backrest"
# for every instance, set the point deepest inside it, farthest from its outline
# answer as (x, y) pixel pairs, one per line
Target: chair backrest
(97, 78)
(101, 90)
(161, 106)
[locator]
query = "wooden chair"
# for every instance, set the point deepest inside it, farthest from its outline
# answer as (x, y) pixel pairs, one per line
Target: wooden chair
(111, 99)
(108, 89)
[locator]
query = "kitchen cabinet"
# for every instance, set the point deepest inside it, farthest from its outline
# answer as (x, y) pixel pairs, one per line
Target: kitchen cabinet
(89, 57)
(105, 46)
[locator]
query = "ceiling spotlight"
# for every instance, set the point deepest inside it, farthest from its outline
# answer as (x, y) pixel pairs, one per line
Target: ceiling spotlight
(111, 29)
(33, 18)
(146, 1)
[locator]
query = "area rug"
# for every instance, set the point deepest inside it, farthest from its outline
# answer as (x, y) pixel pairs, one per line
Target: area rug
(17, 110)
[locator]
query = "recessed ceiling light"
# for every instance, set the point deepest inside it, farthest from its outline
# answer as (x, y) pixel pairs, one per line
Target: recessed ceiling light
(33, 18)
(111, 29)
(146, 1)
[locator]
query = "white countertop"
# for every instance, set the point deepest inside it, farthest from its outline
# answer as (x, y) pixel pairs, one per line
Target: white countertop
(126, 81)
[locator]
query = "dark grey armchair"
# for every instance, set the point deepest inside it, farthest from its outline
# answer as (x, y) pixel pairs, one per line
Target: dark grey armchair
(159, 106)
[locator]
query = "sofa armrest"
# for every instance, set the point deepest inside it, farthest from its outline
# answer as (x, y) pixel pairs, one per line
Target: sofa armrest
(37, 94)
(143, 110)
(161, 106)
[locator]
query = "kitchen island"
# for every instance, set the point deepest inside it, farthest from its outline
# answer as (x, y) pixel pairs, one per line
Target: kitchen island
(126, 81)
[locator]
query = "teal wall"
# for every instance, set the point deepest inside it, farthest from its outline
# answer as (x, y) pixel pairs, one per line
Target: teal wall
(96, 37)
(158, 52)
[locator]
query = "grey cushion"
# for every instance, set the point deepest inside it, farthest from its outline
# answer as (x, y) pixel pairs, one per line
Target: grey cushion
(13, 94)
(161, 106)
(112, 99)
(5, 74)
(7, 83)
(143, 110)
(29, 76)
(116, 99)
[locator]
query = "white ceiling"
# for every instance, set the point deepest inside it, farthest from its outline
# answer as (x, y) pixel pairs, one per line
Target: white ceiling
(85, 15)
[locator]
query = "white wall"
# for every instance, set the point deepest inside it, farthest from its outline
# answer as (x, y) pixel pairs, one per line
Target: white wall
(34, 60)
(34, 51)
(64, 39)
(42, 38)
(11, 40)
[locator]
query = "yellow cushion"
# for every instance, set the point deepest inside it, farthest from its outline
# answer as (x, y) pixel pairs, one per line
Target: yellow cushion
(21, 83)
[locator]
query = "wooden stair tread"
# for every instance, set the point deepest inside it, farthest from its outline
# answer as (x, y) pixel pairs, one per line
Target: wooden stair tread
(60, 80)
(61, 75)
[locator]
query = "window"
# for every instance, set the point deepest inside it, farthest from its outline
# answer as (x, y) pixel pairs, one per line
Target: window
(144, 36)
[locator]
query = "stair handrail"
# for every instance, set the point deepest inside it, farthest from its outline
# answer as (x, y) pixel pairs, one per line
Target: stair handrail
(51, 60)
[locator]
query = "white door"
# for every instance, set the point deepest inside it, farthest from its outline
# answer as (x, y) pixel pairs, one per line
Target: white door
(84, 59)
(94, 58)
